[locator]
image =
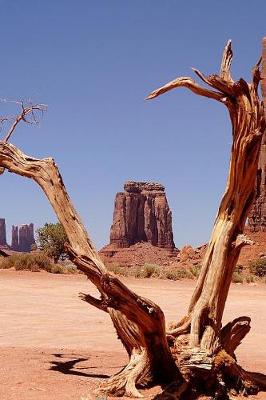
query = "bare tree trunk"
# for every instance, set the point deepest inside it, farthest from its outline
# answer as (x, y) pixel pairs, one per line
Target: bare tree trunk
(203, 321)
(139, 322)
(197, 354)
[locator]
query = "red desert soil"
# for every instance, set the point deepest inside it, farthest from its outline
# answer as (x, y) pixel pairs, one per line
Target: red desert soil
(53, 346)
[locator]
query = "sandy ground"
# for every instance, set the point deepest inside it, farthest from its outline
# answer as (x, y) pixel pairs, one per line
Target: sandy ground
(54, 346)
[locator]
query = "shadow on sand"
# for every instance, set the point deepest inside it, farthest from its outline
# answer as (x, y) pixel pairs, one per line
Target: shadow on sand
(69, 367)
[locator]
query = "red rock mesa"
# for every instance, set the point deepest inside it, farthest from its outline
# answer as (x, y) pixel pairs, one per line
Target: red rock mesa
(142, 214)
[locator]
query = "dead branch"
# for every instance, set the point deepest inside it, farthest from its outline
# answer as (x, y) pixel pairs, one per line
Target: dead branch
(188, 83)
(28, 115)
(197, 354)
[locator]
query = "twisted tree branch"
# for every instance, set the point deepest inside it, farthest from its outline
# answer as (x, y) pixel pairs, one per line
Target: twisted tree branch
(188, 83)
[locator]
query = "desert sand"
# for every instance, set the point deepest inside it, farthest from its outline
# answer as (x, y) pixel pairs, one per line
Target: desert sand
(54, 346)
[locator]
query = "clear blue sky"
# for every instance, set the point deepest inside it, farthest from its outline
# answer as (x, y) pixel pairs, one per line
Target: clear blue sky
(93, 63)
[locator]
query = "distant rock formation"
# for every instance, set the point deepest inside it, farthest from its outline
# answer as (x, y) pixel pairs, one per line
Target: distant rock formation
(257, 215)
(14, 238)
(142, 214)
(22, 237)
(26, 237)
(3, 232)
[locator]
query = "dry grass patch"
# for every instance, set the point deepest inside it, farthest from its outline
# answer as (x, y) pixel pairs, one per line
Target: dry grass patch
(35, 262)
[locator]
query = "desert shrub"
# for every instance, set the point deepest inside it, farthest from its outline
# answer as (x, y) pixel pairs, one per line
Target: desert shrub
(195, 270)
(6, 263)
(249, 278)
(237, 277)
(71, 268)
(150, 270)
(169, 274)
(137, 272)
(118, 270)
(33, 262)
(174, 273)
(26, 261)
(243, 275)
(145, 271)
(258, 267)
(56, 269)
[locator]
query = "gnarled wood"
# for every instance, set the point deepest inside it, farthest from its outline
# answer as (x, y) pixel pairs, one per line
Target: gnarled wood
(233, 333)
(195, 355)
(246, 111)
(248, 125)
(139, 322)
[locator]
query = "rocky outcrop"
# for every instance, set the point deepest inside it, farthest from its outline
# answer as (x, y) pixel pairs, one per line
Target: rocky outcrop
(22, 237)
(138, 254)
(257, 215)
(142, 214)
(2, 232)
(14, 239)
(26, 237)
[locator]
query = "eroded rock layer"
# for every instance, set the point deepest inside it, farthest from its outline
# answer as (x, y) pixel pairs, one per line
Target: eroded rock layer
(14, 239)
(257, 215)
(142, 214)
(26, 237)
(22, 237)
(2, 232)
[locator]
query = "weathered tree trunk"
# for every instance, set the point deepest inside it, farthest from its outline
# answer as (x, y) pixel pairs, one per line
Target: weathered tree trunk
(203, 321)
(196, 355)
(139, 322)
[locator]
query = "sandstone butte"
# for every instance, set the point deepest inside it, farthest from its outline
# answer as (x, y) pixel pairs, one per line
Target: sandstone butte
(142, 214)
(22, 237)
(142, 226)
(257, 215)
(141, 231)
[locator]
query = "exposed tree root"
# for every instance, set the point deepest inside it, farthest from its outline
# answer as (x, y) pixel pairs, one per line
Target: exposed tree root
(216, 375)
(219, 379)
(235, 378)
(137, 372)
(233, 333)
(195, 356)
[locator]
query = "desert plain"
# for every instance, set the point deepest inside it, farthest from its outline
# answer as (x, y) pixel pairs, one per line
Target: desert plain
(54, 346)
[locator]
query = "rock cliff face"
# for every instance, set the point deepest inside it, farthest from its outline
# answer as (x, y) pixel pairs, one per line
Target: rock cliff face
(2, 232)
(14, 240)
(26, 237)
(22, 237)
(142, 214)
(257, 215)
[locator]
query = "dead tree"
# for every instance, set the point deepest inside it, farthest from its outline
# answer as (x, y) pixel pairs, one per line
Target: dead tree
(196, 355)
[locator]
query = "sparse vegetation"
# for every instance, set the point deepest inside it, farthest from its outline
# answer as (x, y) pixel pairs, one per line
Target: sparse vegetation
(51, 240)
(35, 263)
(238, 277)
(150, 270)
(176, 273)
(195, 270)
(258, 267)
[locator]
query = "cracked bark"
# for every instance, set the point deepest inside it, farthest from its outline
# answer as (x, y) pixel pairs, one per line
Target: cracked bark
(196, 355)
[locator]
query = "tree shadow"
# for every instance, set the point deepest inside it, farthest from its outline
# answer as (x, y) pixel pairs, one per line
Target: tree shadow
(69, 367)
